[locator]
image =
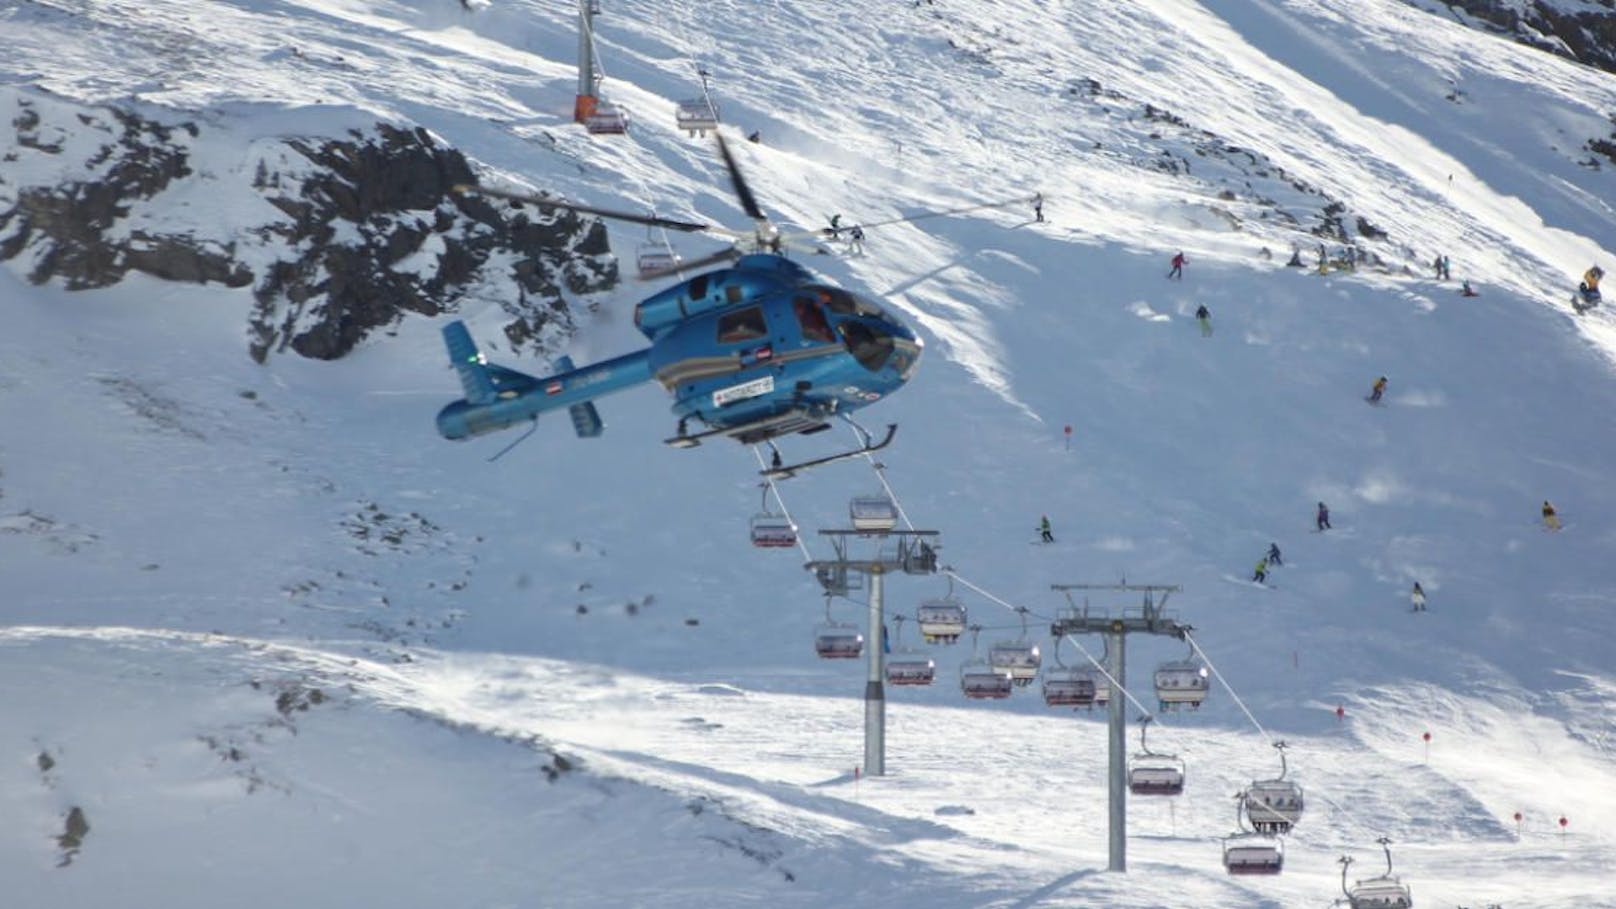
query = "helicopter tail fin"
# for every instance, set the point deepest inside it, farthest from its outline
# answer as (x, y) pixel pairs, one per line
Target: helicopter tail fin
(585, 418)
(468, 362)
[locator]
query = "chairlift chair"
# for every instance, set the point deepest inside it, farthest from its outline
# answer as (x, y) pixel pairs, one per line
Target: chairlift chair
(979, 679)
(655, 258)
(906, 667)
(1154, 773)
(1253, 853)
(873, 514)
(1020, 657)
(941, 620)
(771, 530)
(1380, 893)
(1274, 806)
(838, 642)
(607, 119)
(1181, 683)
(1248, 852)
(911, 670)
(1065, 687)
(696, 116)
(1383, 892)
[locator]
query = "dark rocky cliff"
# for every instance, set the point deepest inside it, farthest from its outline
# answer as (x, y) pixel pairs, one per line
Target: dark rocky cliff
(1585, 32)
(336, 237)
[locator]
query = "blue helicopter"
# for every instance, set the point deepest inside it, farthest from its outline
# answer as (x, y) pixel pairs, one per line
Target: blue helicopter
(754, 351)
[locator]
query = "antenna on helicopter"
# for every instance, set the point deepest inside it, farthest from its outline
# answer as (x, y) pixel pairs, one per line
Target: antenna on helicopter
(519, 440)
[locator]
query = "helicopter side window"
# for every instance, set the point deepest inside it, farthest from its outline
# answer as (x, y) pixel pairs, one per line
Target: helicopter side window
(812, 320)
(734, 294)
(742, 325)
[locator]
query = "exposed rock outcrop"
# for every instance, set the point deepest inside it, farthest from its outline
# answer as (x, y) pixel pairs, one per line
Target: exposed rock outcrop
(337, 237)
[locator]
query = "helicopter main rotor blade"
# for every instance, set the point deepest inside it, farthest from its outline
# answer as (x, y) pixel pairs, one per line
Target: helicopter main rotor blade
(742, 191)
(545, 201)
(723, 255)
(1019, 200)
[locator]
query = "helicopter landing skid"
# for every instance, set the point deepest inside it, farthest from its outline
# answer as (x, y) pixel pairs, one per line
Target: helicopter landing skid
(791, 470)
(780, 424)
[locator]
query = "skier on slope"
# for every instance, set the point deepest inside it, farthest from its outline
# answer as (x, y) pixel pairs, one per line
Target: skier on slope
(1322, 519)
(1588, 290)
(1261, 574)
(1378, 390)
(1044, 532)
(1203, 317)
(1418, 597)
(1178, 266)
(1551, 519)
(1273, 555)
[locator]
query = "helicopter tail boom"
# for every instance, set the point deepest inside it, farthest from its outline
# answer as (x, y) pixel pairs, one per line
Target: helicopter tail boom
(498, 397)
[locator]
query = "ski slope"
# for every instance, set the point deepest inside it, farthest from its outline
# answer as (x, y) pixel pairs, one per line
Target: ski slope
(186, 535)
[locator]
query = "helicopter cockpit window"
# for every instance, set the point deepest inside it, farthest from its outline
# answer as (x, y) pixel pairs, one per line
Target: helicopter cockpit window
(845, 304)
(742, 325)
(870, 347)
(812, 320)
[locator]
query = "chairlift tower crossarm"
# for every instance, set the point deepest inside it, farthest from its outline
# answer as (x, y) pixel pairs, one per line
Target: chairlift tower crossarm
(913, 555)
(1152, 619)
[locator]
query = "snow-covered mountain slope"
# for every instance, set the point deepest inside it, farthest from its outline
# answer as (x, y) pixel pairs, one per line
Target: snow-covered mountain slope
(598, 599)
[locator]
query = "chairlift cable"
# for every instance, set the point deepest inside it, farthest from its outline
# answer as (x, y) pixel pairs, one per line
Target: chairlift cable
(1232, 693)
(880, 473)
(1225, 683)
(775, 490)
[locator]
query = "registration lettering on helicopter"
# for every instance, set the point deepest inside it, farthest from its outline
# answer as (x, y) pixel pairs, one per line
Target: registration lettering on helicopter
(745, 390)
